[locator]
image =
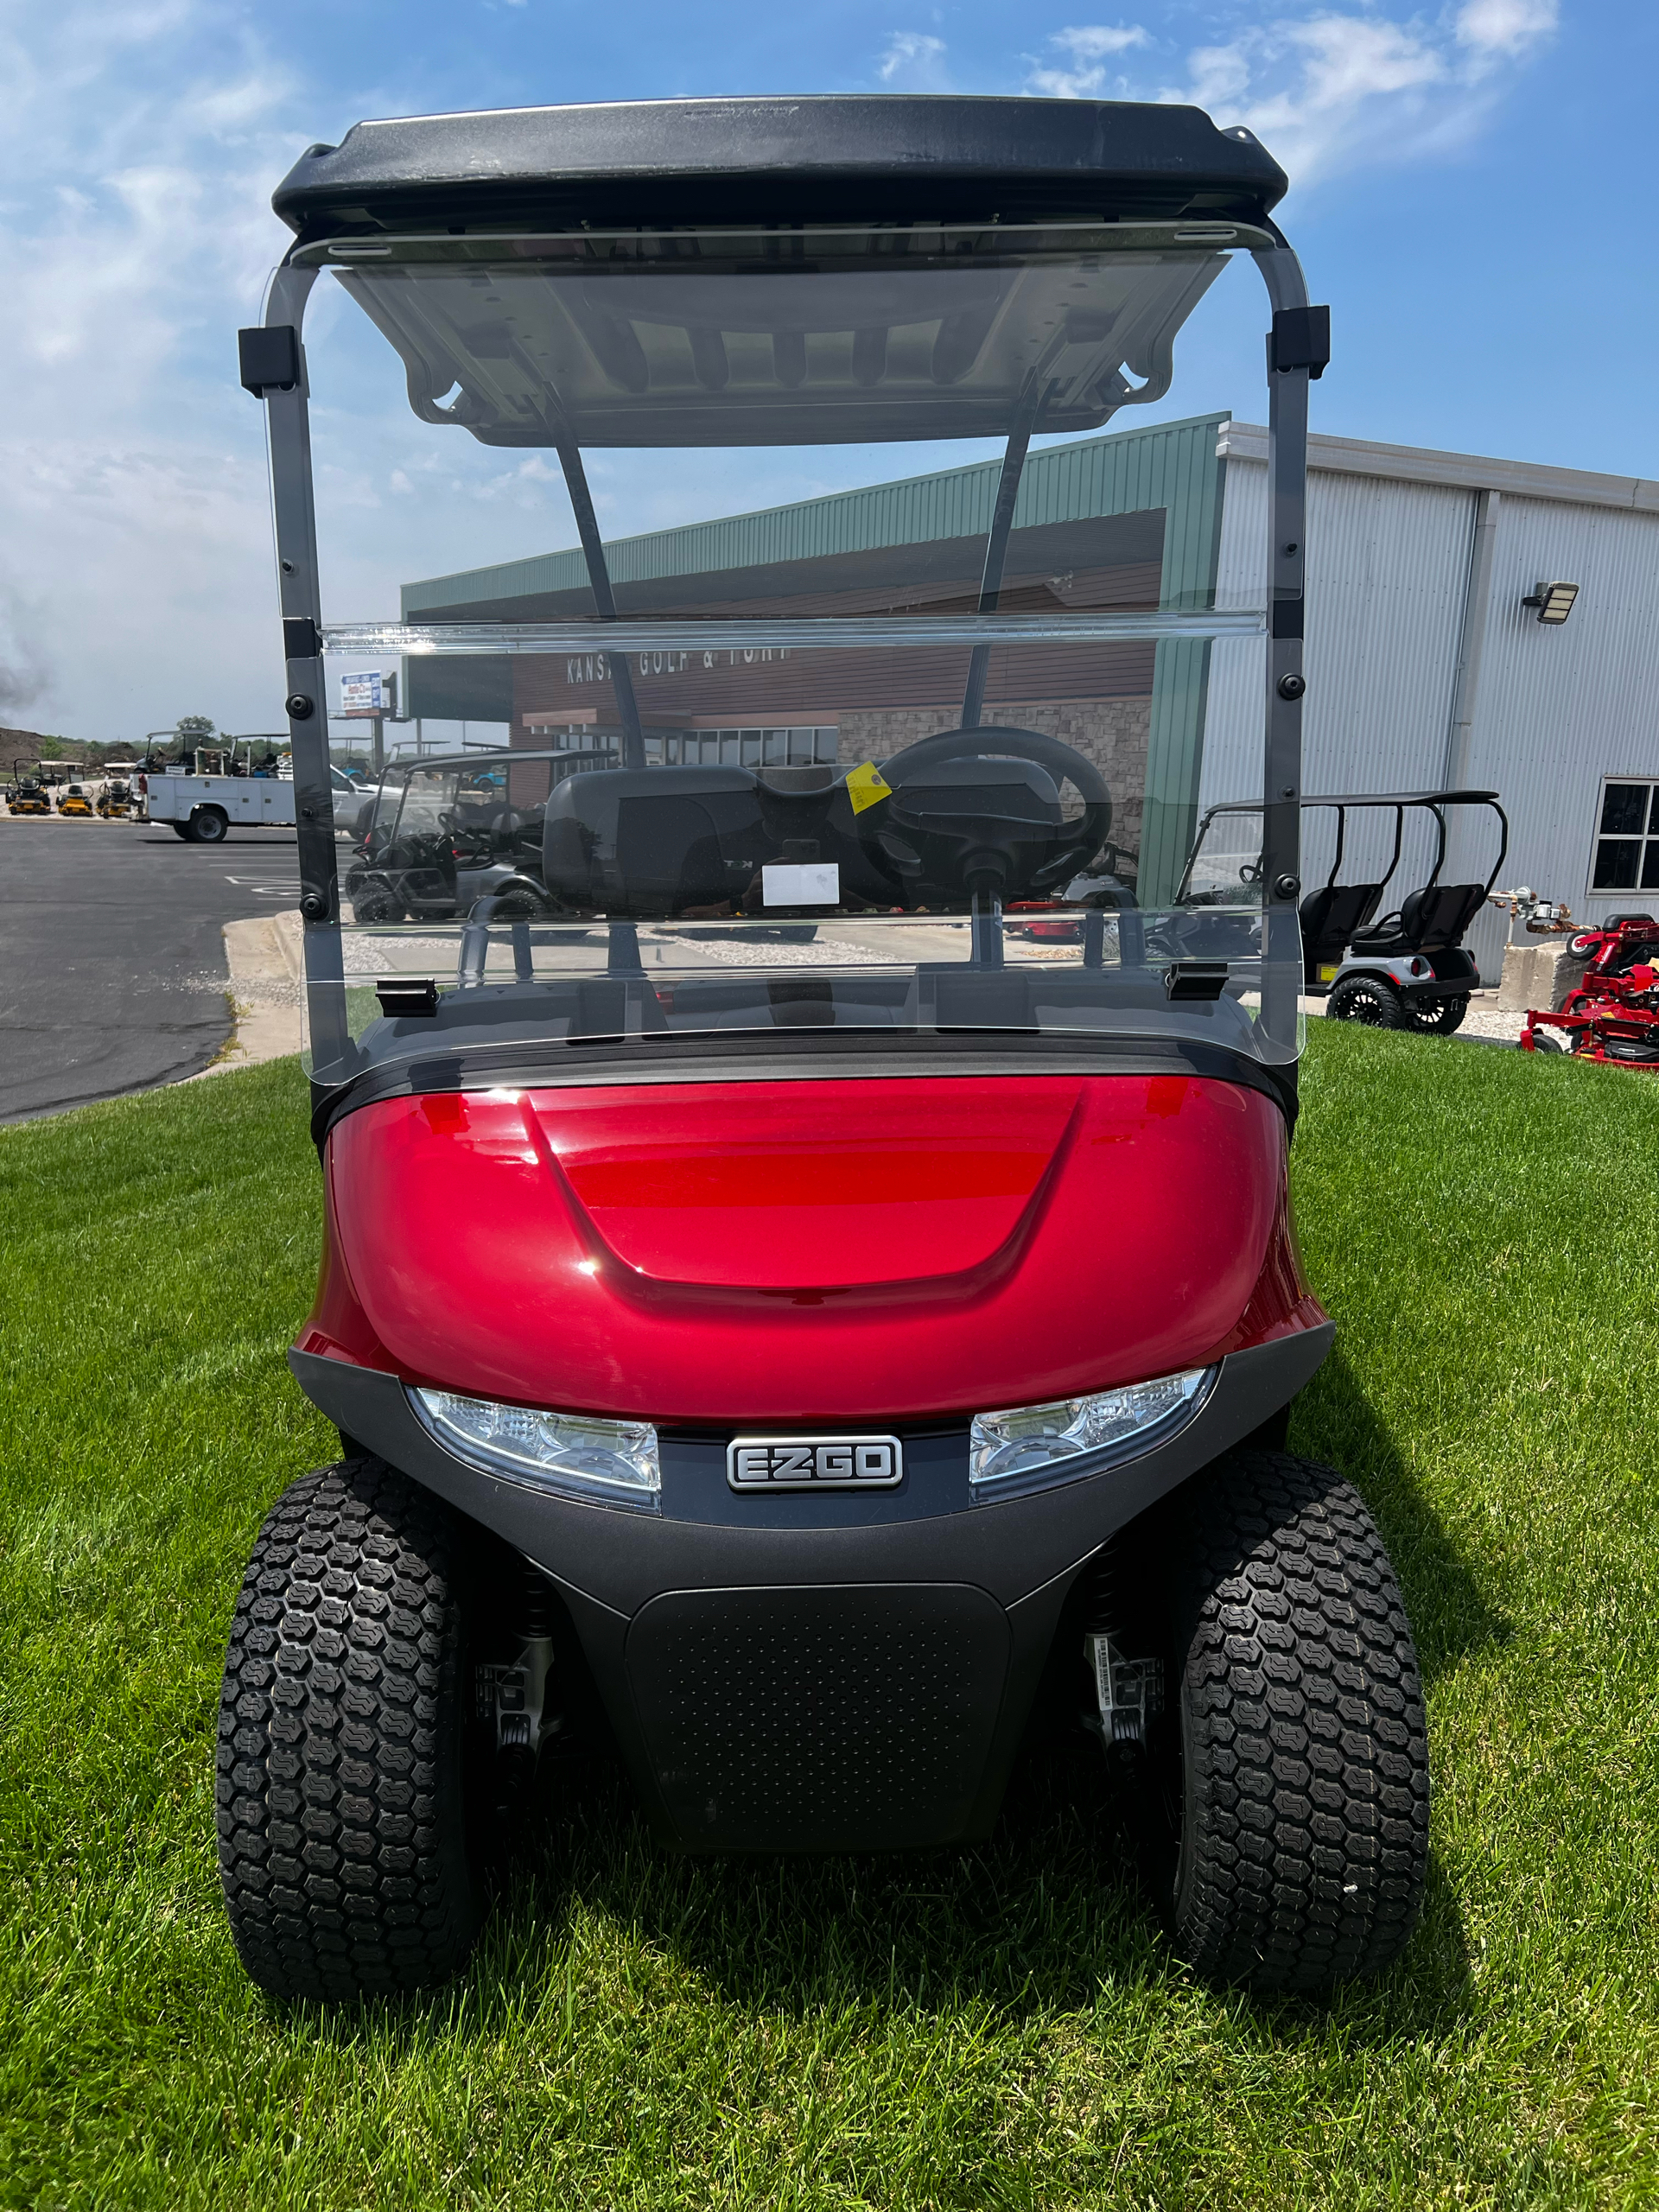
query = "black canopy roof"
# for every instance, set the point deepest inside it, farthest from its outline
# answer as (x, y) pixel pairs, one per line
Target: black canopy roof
(771, 160)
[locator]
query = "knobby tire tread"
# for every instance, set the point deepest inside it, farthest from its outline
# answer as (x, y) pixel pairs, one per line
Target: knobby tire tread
(1305, 1788)
(342, 1824)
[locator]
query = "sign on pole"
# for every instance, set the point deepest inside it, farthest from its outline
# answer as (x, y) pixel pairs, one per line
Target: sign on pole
(363, 695)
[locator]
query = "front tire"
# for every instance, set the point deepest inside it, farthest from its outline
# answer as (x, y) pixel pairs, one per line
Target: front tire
(208, 826)
(347, 1858)
(518, 905)
(1368, 999)
(1304, 1796)
(376, 902)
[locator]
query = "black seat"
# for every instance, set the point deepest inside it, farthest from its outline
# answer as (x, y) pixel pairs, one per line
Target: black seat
(1428, 921)
(1330, 917)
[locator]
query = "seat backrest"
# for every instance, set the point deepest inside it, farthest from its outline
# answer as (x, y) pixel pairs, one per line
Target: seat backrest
(1439, 915)
(652, 840)
(1329, 917)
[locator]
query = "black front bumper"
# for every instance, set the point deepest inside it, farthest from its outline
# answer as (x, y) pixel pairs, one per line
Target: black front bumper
(818, 1672)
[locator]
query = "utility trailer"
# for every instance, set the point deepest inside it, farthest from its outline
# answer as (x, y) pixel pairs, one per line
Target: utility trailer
(203, 810)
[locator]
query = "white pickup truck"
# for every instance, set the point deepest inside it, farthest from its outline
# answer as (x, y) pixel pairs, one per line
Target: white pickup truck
(203, 808)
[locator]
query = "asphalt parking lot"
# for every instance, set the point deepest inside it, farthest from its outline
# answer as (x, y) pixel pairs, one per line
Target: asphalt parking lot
(112, 972)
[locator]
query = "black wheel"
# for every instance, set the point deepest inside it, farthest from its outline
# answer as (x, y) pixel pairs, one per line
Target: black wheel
(207, 826)
(1436, 1017)
(1304, 1752)
(375, 902)
(1371, 999)
(180, 830)
(518, 905)
(349, 1839)
(1544, 1041)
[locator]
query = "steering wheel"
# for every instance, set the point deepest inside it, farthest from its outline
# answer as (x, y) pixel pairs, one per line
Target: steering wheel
(995, 741)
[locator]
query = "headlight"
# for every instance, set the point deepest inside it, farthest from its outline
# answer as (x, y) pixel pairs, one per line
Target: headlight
(1032, 1445)
(576, 1454)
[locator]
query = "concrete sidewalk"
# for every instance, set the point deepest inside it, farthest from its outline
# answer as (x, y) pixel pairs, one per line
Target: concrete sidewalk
(267, 965)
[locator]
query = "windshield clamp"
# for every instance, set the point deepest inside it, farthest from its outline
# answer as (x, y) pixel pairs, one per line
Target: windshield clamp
(406, 996)
(1301, 340)
(1195, 979)
(268, 357)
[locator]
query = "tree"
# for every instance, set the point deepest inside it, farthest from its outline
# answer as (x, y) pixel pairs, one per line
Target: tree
(194, 725)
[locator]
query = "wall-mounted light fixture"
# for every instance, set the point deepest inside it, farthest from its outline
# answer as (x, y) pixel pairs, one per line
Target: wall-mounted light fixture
(1553, 602)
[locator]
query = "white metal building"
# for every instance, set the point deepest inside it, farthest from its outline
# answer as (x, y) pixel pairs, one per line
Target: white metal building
(1424, 667)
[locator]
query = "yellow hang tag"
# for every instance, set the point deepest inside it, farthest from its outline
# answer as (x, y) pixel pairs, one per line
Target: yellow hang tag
(866, 785)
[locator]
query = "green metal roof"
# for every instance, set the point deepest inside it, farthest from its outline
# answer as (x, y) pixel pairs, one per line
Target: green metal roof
(1172, 466)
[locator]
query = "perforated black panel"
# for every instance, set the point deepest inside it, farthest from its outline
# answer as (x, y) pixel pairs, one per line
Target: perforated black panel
(851, 1718)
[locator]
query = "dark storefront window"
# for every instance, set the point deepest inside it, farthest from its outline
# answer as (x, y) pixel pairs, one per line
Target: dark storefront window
(1627, 847)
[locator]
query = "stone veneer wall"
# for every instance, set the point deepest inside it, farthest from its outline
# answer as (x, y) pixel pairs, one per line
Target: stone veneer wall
(1112, 733)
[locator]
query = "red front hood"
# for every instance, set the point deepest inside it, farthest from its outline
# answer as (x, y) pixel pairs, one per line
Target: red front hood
(807, 1250)
(757, 1190)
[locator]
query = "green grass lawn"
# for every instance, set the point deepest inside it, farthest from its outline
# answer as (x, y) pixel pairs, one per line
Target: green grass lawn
(999, 2028)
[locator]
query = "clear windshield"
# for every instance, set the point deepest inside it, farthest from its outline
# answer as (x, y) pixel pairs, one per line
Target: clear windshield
(919, 755)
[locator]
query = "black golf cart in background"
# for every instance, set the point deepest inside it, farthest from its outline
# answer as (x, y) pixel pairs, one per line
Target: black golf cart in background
(444, 831)
(1408, 970)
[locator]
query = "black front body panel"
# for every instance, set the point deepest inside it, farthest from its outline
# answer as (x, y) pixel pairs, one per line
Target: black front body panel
(831, 1671)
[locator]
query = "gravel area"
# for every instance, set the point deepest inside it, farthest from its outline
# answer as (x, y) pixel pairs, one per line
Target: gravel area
(1484, 1020)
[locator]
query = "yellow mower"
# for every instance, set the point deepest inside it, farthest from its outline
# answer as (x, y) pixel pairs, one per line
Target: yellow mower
(75, 800)
(114, 800)
(25, 794)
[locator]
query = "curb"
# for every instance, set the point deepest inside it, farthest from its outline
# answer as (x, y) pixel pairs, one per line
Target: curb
(266, 966)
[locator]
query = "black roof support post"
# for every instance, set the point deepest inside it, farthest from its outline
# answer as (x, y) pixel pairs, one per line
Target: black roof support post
(598, 580)
(1298, 345)
(996, 538)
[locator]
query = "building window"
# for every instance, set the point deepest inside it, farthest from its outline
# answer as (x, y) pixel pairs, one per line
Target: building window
(1627, 842)
(801, 746)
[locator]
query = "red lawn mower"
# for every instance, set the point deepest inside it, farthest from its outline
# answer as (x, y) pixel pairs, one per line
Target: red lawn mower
(781, 1322)
(1613, 1015)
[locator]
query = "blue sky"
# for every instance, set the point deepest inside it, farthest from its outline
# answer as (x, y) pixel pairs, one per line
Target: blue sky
(1466, 193)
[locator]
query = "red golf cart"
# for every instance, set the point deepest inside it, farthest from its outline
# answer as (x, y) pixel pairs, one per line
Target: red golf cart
(779, 1319)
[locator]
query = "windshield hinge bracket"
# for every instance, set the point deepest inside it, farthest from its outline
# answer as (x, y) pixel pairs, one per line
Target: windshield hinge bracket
(1300, 339)
(269, 358)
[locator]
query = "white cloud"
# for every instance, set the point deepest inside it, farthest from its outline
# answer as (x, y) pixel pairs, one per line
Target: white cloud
(140, 147)
(913, 59)
(21, 678)
(142, 140)
(1088, 47)
(1330, 92)
(1509, 28)
(127, 545)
